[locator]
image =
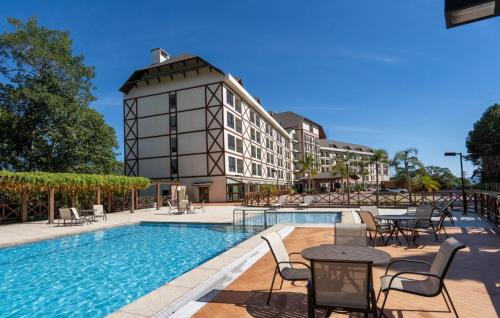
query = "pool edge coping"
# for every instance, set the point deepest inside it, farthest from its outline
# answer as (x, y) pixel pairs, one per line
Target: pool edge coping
(170, 297)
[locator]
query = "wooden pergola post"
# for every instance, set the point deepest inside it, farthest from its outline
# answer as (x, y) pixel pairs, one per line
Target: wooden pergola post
(132, 200)
(110, 202)
(24, 206)
(98, 196)
(51, 206)
(158, 198)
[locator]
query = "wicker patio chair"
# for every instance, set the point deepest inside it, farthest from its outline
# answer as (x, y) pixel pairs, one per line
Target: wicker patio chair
(432, 282)
(284, 266)
(341, 286)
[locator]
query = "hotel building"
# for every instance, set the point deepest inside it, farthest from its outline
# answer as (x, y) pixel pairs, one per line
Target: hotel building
(187, 120)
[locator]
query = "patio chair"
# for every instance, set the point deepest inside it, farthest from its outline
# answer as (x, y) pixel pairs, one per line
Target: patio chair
(99, 211)
(446, 209)
(422, 222)
(65, 215)
(373, 226)
(308, 199)
(184, 206)
(171, 208)
(432, 283)
(341, 285)
(284, 266)
(350, 234)
(77, 218)
(281, 201)
(200, 207)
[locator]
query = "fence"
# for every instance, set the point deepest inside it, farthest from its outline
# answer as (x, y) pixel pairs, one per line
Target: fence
(486, 203)
(11, 211)
(262, 217)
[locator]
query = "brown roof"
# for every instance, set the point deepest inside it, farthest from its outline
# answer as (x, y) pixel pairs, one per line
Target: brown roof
(335, 144)
(142, 73)
(293, 120)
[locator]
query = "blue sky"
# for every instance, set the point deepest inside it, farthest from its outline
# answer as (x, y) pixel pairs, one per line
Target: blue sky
(382, 73)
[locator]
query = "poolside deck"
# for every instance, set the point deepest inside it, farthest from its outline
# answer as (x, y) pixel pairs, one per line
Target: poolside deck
(473, 280)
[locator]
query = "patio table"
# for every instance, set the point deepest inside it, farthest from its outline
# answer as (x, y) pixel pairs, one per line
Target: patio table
(396, 221)
(87, 213)
(346, 253)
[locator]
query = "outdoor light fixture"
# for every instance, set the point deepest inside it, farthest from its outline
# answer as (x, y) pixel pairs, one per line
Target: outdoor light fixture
(459, 12)
(464, 197)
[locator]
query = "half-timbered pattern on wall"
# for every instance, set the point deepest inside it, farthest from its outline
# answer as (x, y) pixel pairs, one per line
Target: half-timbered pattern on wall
(186, 120)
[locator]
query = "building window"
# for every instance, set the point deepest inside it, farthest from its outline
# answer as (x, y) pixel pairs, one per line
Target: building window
(239, 165)
(257, 137)
(173, 166)
(173, 122)
(239, 127)
(173, 144)
(237, 106)
(252, 134)
(252, 117)
(269, 144)
(231, 143)
(239, 145)
(229, 97)
(232, 164)
(230, 120)
(172, 100)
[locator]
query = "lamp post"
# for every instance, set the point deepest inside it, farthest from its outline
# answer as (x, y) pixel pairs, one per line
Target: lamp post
(464, 197)
(459, 12)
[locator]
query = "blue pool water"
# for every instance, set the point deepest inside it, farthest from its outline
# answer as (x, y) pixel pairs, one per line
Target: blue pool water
(96, 273)
(304, 217)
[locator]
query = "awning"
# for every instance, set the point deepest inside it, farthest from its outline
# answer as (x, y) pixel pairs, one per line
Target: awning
(202, 184)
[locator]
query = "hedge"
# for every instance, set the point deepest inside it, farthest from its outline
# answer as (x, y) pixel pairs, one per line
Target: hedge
(70, 182)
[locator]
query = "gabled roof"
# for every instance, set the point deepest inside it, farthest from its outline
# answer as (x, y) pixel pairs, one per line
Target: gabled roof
(293, 120)
(335, 144)
(176, 65)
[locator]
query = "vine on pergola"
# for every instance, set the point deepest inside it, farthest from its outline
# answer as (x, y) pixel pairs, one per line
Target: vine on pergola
(17, 182)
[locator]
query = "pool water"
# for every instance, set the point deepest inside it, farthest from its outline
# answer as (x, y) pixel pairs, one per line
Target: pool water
(96, 273)
(303, 217)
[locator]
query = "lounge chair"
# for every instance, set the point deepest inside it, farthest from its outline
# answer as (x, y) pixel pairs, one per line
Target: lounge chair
(430, 284)
(194, 208)
(350, 234)
(99, 212)
(446, 209)
(373, 226)
(171, 208)
(184, 206)
(341, 285)
(308, 199)
(281, 201)
(284, 266)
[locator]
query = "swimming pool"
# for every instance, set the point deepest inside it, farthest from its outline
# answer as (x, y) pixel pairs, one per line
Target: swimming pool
(96, 273)
(270, 218)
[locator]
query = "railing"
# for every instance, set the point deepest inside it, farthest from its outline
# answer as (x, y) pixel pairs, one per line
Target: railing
(251, 217)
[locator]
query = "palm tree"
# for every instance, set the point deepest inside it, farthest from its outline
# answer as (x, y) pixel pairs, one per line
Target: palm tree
(345, 163)
(309, 166)
(407, 161)
(379, 157)
(363, 170)
(426, 182)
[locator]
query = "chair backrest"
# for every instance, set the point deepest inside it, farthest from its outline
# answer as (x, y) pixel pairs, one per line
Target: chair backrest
(445, 256)
(368, 219)
(98, 209)
(277, 248)
(350, 234)
(64, 213)
(446, 205)
(424, 212)
(282, 199)
(308, 199)
(341, 284)
(370, 208)
(75, 213)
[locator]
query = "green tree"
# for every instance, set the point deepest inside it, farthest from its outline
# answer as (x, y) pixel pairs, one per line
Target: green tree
(379, 157)
(346, 162)
(407, 162)
(483, 145)
(425, 182)
(308, 167)
(45, 118)
(444, 176)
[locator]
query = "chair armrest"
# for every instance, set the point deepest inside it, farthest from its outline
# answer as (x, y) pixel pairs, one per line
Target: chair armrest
(405, 261)
(293, 262)
(412, 273)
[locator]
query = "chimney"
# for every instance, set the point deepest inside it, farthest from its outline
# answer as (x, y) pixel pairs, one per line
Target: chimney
(159, 55)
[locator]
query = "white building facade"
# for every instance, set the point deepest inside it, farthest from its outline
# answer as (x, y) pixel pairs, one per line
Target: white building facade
(186, 120)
